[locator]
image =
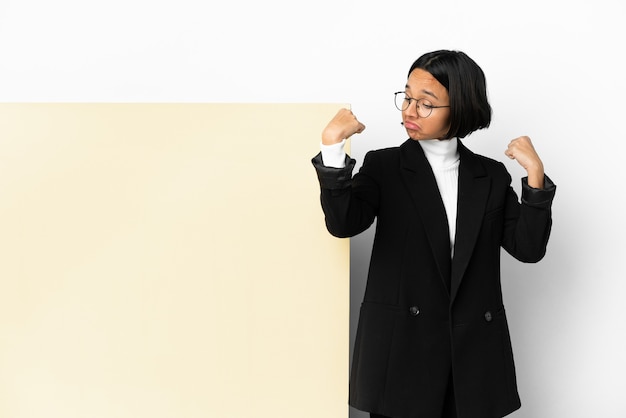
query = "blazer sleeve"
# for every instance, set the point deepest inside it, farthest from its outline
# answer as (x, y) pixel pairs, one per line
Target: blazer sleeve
(527, 229)
(349, 202)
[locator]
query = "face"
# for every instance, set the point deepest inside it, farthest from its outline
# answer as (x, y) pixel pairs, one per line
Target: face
(422, 85)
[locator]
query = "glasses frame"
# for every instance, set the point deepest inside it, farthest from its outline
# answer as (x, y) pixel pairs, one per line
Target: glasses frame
(418, 105)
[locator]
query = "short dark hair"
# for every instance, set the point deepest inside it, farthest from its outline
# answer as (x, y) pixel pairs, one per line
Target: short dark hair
(467, 89)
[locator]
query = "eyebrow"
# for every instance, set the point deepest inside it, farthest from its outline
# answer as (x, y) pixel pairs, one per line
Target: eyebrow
(427, 92)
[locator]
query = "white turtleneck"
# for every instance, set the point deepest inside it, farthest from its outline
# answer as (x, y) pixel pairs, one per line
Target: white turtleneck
(443, 157)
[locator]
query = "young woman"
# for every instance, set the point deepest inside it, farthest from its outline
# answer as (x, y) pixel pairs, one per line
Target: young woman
(432, 339)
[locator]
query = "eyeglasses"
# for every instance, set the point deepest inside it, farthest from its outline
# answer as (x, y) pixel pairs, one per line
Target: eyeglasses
(424, 107)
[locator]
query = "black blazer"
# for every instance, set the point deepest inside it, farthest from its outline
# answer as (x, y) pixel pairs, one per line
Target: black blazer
(424, 315)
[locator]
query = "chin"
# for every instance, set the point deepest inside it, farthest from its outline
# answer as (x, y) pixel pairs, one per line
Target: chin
(414, 135)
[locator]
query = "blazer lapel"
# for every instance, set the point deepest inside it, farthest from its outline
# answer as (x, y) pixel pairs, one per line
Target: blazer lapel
(474, 188)
(422, 186)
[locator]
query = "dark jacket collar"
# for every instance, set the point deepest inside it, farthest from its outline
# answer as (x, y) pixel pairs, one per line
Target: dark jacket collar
(472, 197)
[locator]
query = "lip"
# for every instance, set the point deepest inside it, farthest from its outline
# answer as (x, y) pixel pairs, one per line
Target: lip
(411, 125)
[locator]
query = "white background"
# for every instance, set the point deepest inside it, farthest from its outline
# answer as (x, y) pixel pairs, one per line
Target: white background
(554, 71)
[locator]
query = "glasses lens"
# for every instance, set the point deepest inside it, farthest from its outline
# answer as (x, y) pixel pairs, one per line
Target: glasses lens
(401, 102)
(424, 108)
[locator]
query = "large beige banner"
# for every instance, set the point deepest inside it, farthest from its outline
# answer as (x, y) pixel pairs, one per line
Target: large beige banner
(168, 260)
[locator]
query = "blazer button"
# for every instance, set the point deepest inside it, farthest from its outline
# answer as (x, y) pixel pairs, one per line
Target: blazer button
(488, 316)
(414, 310)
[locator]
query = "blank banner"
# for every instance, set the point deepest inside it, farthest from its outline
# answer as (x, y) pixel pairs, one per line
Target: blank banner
(168, 260)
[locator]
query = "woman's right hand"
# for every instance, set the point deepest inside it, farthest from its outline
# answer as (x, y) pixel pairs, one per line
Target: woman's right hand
(342, 126)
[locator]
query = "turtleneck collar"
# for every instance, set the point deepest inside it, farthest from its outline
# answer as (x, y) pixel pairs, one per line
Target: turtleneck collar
(441, 154)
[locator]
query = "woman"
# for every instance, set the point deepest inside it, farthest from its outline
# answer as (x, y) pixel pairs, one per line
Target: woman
(432, 339)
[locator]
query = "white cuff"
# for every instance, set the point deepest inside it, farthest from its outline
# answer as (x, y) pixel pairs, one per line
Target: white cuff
(334, 155)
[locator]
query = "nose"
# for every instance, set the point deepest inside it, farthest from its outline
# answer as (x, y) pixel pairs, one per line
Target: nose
(411, 110)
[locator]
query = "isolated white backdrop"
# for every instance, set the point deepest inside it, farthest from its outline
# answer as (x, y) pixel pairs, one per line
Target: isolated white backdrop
(555, 72)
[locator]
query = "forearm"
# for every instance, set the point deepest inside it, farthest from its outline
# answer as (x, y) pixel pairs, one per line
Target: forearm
(536, 176)
(348, 210)
(528, 225)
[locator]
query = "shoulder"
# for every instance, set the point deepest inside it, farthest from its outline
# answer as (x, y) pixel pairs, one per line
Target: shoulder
(383, 155)
(379, 163)
(384, 152)
(477, 165)
(489, 164)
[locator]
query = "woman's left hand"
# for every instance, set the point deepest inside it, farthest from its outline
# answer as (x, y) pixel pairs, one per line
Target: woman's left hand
(522, 150)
